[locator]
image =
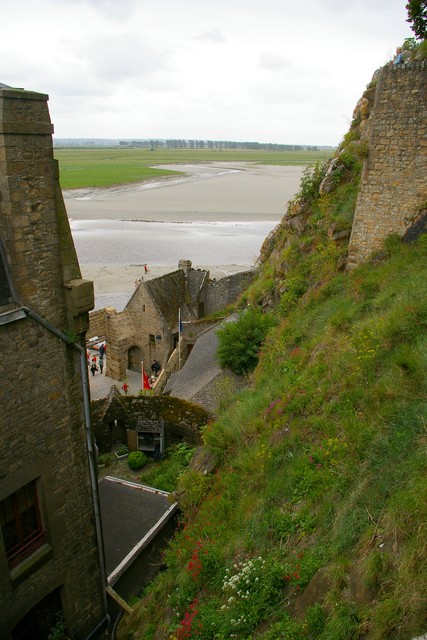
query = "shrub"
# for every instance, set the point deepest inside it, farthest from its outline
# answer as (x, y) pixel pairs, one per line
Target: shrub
(310, 181)
(239, 341)
(136, 460)
(164, 475)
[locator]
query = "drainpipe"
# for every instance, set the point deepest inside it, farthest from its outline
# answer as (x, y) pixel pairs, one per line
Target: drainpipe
(93, 476)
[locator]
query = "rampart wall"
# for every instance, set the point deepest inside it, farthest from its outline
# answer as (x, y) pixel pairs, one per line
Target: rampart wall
(223, 292)
(393, 189)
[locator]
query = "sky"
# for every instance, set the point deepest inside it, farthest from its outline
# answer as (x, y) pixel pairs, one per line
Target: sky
(280, 71)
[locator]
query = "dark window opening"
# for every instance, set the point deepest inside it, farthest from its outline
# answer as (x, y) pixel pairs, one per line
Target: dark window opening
(39, 622)
(21, 524)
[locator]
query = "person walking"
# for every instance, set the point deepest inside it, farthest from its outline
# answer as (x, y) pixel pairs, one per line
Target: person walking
(101, 364)
(93, 368)
(125, 388)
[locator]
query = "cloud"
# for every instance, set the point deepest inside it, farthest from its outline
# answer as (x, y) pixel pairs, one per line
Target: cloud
(124, 56)
(277, 71)
(119, 10)
(214, 35)
(273, 61)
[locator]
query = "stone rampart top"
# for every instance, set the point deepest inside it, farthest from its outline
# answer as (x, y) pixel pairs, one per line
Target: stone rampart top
(24, 112)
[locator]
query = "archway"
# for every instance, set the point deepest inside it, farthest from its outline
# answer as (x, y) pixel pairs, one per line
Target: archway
(134, 358)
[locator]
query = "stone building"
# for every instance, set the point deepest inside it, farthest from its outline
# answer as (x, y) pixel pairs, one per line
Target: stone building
(51, 558)
(147, 329)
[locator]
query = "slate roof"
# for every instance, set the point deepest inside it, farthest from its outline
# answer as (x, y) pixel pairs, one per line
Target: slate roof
(131, 515)
(195, 281)
(169, 292)
(195, 381)
(199, 369)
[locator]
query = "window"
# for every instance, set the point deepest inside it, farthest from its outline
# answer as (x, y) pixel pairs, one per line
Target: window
(21, 524)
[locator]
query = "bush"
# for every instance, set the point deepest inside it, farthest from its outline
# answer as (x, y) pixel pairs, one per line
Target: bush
(239, 341)
(310, 181)
(136, 460)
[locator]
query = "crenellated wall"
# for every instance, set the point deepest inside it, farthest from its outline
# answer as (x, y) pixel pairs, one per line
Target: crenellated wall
(393, 188)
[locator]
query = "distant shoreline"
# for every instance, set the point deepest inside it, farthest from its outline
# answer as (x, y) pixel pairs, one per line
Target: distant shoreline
(223, 193)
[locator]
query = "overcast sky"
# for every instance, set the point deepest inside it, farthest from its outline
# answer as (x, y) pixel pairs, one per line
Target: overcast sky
(286, 71)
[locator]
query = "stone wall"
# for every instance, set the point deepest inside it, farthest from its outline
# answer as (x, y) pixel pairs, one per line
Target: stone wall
(181, 420)
(99, 322)
(225, 291)
(393, 187)
(42, 422)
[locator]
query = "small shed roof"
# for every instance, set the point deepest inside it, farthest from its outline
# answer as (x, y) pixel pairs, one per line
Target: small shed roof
(131, 514)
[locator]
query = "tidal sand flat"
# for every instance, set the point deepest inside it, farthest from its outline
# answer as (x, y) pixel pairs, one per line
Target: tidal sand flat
(216, 214)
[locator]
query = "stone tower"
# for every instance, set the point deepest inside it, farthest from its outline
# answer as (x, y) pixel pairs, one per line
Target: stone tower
(393, 187)
(51, 559)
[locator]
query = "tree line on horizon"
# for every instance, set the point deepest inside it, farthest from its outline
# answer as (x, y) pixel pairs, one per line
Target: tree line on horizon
(214, 144)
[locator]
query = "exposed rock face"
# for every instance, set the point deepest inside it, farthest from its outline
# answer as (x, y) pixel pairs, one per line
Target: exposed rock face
(329, 182)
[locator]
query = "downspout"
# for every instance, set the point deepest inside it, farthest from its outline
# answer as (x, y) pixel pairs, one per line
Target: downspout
(93, 476)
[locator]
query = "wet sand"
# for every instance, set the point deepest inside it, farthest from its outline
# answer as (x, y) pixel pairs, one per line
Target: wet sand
(217, 192)
(214, 192)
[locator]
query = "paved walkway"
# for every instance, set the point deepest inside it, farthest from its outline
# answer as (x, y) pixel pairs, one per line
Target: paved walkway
(100, 384)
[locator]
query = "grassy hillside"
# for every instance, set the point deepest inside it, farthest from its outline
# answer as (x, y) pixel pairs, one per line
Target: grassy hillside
(106, 167)
(313, 521)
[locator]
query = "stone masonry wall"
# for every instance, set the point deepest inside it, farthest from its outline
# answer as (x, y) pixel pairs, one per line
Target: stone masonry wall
(42, 424)
(131, 328)
(393, 187)
(99, 322)
(181, 420)
(227, 290)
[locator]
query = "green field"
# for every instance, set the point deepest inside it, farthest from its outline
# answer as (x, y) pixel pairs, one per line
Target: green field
(107, 167)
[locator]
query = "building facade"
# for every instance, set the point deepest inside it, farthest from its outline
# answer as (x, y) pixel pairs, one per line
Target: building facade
(51, 559)
(148, 328)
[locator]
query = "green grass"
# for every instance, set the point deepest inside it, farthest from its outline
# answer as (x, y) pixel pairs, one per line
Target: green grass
(320, 463)
(80, 168)
(165, 474)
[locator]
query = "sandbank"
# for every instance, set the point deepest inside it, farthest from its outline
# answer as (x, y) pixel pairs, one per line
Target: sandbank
(213, 192)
